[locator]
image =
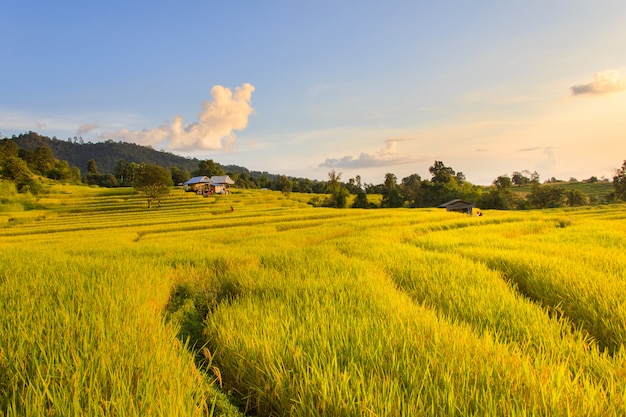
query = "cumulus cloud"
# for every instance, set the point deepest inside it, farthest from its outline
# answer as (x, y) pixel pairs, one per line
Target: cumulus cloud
(603, 83)
(226, 112)
(388, 156)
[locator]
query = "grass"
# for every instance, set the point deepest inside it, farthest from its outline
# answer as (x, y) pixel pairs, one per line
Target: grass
(597, 191)
(278, 308)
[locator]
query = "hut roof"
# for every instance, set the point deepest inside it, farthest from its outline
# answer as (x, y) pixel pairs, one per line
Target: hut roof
(221, 179)
(197, 180)
(456, 204)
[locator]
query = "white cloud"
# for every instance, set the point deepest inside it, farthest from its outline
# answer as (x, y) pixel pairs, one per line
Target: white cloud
(220, 117)
(388, 156)
(603, 83)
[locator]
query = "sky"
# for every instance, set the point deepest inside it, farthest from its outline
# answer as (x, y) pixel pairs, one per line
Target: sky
(300, 88)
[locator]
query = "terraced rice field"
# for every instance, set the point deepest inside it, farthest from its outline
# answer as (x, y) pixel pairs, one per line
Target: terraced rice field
(295, 310)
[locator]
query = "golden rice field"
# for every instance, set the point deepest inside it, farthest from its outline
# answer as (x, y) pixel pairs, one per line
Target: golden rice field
(288, 310)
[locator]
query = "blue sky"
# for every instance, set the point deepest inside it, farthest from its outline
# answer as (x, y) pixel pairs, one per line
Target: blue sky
(303, 87)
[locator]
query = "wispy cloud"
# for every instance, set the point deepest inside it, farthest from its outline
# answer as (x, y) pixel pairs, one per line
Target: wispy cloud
(226, 112)
(388, 156)
(603, 83)
(548, 162)
(86, 128)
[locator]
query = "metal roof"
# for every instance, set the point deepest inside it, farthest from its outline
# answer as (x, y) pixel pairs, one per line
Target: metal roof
(197, 180)
(221, 179)
(457, 203)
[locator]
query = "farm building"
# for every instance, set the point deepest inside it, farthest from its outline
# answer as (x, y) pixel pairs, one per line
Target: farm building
(217, 184)
(458, 205)
(196, 183)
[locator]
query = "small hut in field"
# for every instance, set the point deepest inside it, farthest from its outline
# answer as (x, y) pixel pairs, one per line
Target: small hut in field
(196, 184)
(217, 184)
(458, 205)
(220, 184)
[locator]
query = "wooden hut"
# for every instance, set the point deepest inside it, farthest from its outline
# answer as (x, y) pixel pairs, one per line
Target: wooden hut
(458, 205)
(196, 184)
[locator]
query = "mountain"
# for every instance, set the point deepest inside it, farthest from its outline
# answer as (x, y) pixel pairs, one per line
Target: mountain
(106, 154)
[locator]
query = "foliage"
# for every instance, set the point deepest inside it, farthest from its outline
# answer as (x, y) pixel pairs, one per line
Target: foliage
(284, 185)
(338, 193)
(495, 199)
(92, 167)
(12, 201)
(154, 181)
(503, 182)
(394, 200)
(360, 201)
(575, 198)
(390, 191)
(208, 168)
(619, 182)
(106, 154)
(15, 169)
(179, 176)
(445, 184)
(61, 171)
(8, 148)
(546, 196)
(441, 173)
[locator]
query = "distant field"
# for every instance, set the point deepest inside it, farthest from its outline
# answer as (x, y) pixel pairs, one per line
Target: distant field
(294, 310)
(595, 190)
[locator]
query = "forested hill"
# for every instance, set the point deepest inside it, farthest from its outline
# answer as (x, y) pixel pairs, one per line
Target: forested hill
(106, 154)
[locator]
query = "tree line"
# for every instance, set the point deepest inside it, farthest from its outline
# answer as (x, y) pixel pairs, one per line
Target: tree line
(446, 184)
(22, 165)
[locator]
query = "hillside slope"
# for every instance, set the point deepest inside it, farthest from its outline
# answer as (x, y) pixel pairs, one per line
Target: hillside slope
(106, 154)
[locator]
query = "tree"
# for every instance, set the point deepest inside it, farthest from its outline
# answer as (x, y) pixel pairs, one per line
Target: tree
(546, 196)
(391, 181)
(411, 189)
(8, 148)
(534, 177)
(284, 185)
(15, 169)
(339, 194)
(619, 182)
(92, 168)
(394, 199)
(208, 168)
(61, 172)
(519, 179)
(334, 179)
(122, 171)
(43, 160)
(441, 173)
(576, 198)
(305, 185)
(179, 175)
(361, 200)
(494, 199)
(503, 182)
(391, 196)
(154, 181)
(499, 197)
